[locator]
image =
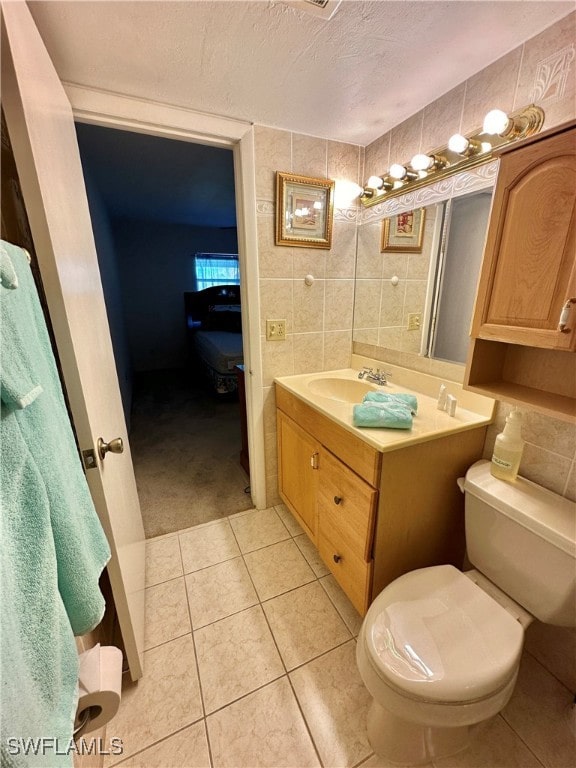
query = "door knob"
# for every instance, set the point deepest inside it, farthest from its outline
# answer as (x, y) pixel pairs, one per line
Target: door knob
(114, 446)
(336, 558)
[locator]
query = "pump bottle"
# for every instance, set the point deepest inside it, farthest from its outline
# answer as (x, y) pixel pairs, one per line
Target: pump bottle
(508, 448)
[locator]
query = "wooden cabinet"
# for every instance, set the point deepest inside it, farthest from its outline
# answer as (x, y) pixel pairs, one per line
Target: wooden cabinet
(372, 515)
(519, 350)
(298, 461)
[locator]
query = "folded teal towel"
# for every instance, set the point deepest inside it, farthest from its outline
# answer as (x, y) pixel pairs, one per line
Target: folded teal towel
(389, 397)
(53, 545)
(381, 415)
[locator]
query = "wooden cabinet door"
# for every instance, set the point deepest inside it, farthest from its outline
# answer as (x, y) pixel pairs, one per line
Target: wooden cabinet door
(298, 460)
(529, 271)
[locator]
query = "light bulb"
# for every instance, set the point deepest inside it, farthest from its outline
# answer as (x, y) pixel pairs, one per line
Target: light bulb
(421, 162)
(458, 143)
(496, 122)
(375, 182)
(398, 171)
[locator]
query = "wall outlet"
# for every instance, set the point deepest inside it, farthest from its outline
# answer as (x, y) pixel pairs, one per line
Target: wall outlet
(414, 321)
(276, 330)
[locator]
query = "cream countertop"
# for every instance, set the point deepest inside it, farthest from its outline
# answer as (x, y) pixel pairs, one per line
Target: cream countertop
(472, 410)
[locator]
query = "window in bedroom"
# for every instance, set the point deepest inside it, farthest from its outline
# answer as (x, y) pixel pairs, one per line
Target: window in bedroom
(216, 269)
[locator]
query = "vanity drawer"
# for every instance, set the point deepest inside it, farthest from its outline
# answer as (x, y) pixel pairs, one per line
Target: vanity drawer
(346, 505)
(352, 572)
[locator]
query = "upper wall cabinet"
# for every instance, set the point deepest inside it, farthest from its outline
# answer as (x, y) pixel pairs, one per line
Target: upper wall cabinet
(524, 324)
(528, 272)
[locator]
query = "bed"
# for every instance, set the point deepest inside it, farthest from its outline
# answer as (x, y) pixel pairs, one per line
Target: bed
(214, 330)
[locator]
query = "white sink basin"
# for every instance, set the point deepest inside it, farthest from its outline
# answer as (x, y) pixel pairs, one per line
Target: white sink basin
(342, 390)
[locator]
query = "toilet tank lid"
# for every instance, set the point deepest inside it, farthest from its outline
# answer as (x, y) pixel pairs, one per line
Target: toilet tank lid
(545, 513)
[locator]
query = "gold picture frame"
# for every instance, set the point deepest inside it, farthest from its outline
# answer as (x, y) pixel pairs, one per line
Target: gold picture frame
(304, 211)
(403, 232)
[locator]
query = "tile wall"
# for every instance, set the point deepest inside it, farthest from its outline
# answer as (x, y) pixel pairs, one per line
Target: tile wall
(318, 317)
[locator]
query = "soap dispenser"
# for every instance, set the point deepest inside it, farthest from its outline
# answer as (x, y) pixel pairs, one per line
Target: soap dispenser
(508, 448)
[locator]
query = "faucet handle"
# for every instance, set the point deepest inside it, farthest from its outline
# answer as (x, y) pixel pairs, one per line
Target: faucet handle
(364, 372)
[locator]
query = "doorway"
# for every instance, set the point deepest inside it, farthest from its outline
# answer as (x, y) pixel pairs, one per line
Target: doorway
(155, 203)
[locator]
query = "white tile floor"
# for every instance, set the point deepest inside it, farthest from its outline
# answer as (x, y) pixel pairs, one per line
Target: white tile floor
(250, 661)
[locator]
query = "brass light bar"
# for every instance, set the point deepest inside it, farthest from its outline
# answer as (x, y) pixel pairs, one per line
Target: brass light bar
(460, 153)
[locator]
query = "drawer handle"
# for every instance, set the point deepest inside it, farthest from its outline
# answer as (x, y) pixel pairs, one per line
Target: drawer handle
(314, 460)
(337, 499)
(337, 558)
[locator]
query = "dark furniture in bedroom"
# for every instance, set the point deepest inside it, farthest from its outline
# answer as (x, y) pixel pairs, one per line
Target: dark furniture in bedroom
(214, 334)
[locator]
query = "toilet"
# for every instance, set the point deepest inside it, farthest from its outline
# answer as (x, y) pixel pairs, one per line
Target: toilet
(439, 649)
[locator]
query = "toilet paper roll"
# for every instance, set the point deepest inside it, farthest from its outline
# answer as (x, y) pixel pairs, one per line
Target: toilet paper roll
(99, 687)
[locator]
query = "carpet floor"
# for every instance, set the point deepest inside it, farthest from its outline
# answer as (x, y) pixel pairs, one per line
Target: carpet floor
(185, 446)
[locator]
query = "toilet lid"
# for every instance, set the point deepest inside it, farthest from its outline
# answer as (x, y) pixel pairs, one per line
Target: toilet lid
(435, 634)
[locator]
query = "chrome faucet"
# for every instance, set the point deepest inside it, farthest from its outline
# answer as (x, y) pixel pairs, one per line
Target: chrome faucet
(377, 376)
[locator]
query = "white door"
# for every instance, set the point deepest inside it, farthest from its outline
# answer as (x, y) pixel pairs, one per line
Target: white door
(41, 127)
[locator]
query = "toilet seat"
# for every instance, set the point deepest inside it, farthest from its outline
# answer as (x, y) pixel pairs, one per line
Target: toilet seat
(434, 635)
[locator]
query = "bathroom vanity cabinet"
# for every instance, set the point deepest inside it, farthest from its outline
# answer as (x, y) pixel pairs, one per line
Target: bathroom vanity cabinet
(372, 515)
(520, 352)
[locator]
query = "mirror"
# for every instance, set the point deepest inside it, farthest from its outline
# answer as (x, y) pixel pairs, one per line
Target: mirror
(421, 303)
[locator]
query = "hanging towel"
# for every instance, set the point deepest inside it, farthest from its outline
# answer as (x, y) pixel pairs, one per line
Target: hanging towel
(80, 545)
(38, 658)
(8, 277)
(381, 415)
(388, 397)
(53, 546)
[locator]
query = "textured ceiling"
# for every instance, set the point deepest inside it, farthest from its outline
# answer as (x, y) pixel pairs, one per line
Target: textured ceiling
(350, 79)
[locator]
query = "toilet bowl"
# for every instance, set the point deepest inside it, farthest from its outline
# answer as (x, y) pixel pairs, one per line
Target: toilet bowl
(439, 650)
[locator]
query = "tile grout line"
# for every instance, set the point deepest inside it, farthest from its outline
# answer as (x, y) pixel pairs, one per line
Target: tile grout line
(200, 688)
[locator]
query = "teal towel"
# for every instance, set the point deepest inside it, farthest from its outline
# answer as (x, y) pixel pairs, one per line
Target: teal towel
(381, 415)
(27, 361)
(53, 546)
(389, 397)
(38, 658)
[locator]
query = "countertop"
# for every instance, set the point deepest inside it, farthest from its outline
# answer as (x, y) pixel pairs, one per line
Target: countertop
(429, 423)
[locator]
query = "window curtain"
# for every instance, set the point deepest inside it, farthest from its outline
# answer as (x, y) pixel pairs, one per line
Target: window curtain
(215, 269)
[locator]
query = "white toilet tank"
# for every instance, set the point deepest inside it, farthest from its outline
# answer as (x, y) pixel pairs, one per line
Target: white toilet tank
(523, 539)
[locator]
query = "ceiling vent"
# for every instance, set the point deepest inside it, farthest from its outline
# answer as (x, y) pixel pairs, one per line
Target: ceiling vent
(325, 9)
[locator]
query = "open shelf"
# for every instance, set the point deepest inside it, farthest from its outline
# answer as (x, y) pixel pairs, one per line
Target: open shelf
(542, 379)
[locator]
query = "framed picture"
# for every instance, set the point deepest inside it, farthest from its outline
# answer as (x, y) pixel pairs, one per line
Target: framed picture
(403, 232)
(304, 211)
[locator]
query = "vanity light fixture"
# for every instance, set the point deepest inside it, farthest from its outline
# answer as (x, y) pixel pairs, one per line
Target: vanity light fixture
(461, 152)
(375, 182)
(376, 185)
(461, 145)
(497, 122)
(401, 173)
(425, 163)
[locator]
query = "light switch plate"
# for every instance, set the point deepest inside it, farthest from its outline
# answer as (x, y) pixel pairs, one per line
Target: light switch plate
(414, 320)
